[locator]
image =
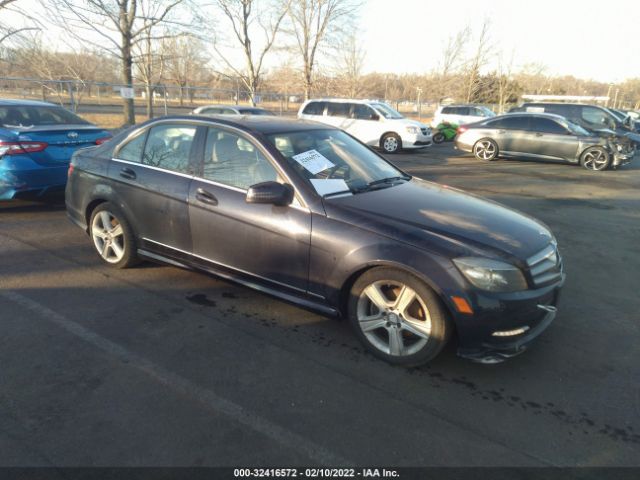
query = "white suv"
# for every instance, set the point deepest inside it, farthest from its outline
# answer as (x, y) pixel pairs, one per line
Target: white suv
(372, 122)
(461, 114)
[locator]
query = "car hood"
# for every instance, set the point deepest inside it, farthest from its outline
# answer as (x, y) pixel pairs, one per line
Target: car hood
(424, 214)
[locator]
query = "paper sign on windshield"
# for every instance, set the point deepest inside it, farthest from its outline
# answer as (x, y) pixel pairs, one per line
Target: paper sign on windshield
(313, 161)
(331, 185)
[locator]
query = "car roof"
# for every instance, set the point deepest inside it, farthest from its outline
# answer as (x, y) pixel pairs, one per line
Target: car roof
(252, 123)
(345, 100)
(19, 102)
(552, 116)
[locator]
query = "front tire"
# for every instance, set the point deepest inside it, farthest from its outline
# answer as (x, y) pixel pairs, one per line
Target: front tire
(112, 236)
(398, 317)
(595, 158)
(391, 143)
(438, 137)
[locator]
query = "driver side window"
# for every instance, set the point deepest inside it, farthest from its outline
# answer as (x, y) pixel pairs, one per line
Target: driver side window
(233, 160)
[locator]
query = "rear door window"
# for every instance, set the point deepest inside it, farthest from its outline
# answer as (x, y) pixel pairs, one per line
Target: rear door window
(314, 108)
(338, 109)
(509, 123)
(169, 147)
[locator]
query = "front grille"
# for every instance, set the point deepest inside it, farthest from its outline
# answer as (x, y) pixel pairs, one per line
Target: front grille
(425, 131)
(545, 266)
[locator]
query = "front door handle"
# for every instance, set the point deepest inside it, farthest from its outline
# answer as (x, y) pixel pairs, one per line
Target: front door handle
(538, 134)
(205, 196)
(502, 131)
(128, 173)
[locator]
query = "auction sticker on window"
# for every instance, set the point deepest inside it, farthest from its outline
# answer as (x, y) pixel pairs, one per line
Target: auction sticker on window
(313, 161)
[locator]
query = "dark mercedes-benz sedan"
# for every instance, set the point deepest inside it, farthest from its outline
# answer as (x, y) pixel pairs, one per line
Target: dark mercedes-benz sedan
(312, 216)
(544, 136)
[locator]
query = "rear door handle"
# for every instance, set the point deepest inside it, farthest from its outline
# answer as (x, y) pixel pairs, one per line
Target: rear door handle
(502, 131)
(538, 134)
(128, 173)
(205, 196)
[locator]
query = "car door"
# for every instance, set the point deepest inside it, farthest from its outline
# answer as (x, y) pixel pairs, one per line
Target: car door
(364, 124)
(338, 114)
(510, 133)
(550, 139)
(268, 242)
(150, 176)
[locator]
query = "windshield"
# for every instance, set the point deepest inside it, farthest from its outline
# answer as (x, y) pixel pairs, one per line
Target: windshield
(36, 116)
(333, 162)
(487, 111)
(386, 111)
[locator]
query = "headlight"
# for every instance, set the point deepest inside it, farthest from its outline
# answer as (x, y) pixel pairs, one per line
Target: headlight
(412, 129)
(619, 147)
(491, 275)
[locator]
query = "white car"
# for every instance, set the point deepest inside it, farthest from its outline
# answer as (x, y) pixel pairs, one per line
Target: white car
(372, 122)
(461, 114)
(230, 110)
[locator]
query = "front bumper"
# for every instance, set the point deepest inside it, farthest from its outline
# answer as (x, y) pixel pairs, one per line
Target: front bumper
(504, 325)
(413, 140)
(622, 158)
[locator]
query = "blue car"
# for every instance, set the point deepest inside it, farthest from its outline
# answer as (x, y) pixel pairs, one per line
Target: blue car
(37, 140)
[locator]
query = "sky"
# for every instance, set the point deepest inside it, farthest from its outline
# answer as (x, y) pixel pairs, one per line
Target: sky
(589, 39)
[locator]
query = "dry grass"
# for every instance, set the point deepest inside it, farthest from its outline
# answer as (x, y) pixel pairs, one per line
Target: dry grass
(104, 120)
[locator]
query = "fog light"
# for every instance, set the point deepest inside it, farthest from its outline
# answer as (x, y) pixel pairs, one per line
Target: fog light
(510, 333)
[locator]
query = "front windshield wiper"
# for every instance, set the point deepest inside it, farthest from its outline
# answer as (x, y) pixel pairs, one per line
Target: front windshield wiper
(388, 180)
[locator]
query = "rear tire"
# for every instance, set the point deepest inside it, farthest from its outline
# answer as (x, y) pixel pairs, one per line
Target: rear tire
(397, 317)
(391, 143)
(595, 159)
(485, 150)
(112, 236)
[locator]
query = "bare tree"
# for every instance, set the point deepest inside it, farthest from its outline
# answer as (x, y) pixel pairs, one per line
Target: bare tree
(479, 59)
(184, 63)
(247, 18)
(350, 65)
(8, 31)
(116, 26)
(505, 82)
(312, 22)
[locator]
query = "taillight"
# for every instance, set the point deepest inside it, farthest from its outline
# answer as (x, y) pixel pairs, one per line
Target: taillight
(70, 171)
(100, 141)
(17, 148)
(461, 130)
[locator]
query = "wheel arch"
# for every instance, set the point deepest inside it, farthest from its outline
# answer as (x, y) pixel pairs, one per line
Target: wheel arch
(350, 280)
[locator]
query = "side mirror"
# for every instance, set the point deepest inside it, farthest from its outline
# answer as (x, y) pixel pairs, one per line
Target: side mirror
(274, 193)
(374, 116)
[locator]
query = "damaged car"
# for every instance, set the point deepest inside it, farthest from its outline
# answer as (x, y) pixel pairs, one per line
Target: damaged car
(544, 136)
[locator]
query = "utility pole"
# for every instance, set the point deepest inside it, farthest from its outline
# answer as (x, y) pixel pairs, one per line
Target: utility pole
(609, 94)
(615, 99)
(419, 90)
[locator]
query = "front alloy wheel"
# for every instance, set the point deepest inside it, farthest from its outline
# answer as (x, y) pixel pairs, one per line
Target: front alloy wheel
(397, 317)
(595, 158)
(391, 143)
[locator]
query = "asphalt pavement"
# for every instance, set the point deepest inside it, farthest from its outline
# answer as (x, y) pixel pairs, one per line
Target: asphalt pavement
(158, 366)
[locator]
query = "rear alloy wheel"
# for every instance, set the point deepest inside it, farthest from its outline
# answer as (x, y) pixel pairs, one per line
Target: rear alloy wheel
(397, 317)
(486, 150)
(391, 143)
(438, 137)
(595, 158)
(112, 236)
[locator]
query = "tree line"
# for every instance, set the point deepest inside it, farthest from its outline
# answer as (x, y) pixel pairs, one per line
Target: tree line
(281, 46)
